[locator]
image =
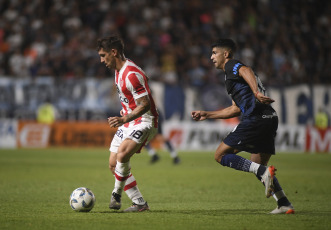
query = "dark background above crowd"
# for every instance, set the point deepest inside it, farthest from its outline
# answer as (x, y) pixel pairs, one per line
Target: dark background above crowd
(286, 42)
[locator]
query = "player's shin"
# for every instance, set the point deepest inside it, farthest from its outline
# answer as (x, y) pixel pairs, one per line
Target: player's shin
(236, 162)
(122, 172)
(279, 194)
(132, 190)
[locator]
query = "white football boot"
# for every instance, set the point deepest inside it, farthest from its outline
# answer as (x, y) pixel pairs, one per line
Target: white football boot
(268, 180)
(283, 210)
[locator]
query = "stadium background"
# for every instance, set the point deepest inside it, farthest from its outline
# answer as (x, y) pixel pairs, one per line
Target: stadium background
(48, 54)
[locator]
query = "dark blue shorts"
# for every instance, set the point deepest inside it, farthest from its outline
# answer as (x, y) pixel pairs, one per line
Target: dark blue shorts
(255, 134)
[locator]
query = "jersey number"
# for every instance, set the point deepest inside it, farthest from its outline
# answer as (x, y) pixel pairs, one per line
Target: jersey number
(136, 134)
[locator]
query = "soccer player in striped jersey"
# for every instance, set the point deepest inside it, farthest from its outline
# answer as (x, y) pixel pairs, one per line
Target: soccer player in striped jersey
(137, 124)
(258, 126)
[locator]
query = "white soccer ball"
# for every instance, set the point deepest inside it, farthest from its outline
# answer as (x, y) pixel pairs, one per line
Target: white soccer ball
(82, 199)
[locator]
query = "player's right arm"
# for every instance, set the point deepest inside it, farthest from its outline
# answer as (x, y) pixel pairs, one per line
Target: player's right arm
(143, 105)
(248, 74)
(229, 112)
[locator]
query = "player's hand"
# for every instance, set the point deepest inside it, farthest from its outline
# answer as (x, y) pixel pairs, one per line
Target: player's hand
(264, 99)
(115, 121)
(199, 115)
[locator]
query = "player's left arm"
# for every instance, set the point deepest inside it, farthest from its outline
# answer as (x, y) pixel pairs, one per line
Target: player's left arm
(143, 105)
(249, 76)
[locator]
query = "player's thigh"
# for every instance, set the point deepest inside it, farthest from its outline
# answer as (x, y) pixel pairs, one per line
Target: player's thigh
(126, 150)
(136, 138)
(139, 134)
(260, 158)
(112, 161)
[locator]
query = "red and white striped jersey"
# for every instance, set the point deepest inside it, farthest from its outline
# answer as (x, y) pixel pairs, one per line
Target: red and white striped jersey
(132, 83)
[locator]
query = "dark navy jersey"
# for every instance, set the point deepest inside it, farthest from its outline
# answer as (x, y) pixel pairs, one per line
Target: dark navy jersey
(240, 91)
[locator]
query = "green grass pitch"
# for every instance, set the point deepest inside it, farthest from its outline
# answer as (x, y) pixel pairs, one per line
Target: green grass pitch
(35, 185)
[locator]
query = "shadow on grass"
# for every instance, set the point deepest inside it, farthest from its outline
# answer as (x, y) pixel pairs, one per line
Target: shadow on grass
(214, 212)
(218, 212)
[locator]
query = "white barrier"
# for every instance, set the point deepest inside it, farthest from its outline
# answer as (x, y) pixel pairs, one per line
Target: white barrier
(8, 133)
(191, 136)
(208, 135)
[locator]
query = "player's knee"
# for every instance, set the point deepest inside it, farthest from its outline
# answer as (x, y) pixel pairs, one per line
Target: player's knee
(123, 156)
(112, 168)
(218, 157)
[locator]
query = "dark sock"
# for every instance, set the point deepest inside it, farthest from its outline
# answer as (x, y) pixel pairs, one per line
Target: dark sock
(169, 146)
(260, 171)
(283, 202)
(236, 162)
(277, 186)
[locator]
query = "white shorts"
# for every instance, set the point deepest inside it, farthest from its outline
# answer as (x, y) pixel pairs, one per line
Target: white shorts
(141, 134)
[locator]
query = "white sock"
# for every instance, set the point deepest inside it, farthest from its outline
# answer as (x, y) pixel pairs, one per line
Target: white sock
(254, 167)
(173, 154)
(151, 152)
(122, 172)
(131, 189)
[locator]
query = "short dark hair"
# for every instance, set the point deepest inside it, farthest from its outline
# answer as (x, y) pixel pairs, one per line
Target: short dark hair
(226, 43)
(112, 42)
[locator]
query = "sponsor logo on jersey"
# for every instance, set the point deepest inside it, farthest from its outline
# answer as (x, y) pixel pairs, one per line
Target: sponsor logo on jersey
(274, 114)
(235, 68)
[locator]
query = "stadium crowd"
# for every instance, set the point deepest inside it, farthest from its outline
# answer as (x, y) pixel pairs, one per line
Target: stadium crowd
(287, 42)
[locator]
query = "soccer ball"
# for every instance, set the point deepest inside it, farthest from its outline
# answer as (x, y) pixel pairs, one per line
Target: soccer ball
(82, 199)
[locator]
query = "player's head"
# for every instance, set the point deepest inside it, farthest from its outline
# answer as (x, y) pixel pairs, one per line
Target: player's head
(222, 50)
(110, 48)
(109, 43)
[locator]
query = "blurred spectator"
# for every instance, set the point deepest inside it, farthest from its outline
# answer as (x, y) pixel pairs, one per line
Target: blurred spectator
(286, 32)
(321, 119)
(171, 38)
(197, 74)
(19, 64)
(47, 113)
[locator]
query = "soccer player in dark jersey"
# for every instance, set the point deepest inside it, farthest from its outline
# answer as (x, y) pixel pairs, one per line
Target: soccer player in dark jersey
(258, 126)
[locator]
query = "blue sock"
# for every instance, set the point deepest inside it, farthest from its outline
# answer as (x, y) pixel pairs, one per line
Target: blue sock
(236, 162)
